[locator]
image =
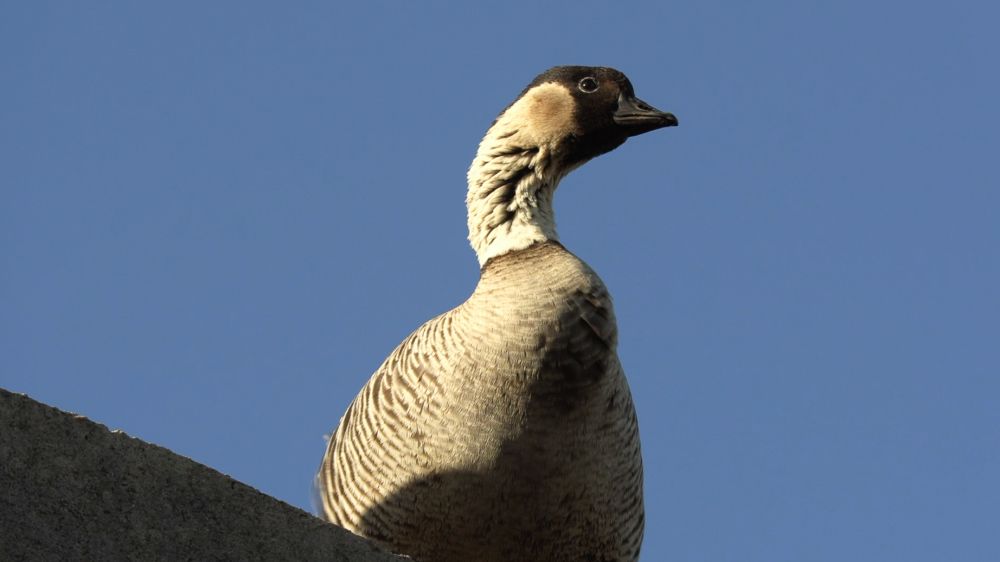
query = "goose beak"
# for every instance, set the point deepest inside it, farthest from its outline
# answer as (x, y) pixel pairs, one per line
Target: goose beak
(637, 117)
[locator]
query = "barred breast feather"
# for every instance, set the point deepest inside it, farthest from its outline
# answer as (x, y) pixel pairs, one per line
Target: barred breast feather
(501, 430)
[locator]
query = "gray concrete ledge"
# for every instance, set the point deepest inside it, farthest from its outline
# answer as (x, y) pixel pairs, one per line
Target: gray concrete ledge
(70, 489)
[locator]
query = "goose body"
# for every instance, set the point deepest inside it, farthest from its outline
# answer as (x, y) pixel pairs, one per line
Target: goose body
(504, 429)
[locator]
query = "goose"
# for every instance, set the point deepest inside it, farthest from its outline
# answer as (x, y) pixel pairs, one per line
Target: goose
(504, 429)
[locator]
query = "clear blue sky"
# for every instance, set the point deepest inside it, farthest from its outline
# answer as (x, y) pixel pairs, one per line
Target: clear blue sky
(218, 218)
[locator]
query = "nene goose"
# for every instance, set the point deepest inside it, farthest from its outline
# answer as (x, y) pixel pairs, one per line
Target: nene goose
(504, 430)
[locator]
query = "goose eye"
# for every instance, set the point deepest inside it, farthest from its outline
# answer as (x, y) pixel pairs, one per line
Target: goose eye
(588, 85)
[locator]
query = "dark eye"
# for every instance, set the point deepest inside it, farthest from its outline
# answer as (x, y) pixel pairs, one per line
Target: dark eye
(588, 85)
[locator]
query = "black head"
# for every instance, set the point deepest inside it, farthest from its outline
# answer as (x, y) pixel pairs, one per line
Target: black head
(592, 110)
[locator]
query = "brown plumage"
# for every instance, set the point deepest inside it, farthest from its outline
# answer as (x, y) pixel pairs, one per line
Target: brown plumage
(504, 429)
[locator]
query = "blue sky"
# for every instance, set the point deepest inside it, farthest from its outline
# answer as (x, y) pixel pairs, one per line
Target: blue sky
(218, 218)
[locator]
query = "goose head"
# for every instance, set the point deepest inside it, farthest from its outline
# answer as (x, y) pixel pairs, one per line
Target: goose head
(563, 118)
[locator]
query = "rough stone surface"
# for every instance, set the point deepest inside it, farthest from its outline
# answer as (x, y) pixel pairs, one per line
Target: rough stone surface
(70, 489)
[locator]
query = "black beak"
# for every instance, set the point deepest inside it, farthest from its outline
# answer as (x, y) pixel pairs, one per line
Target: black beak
(637, 117)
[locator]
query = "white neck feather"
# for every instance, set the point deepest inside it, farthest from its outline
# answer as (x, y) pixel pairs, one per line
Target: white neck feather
(510, 194)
